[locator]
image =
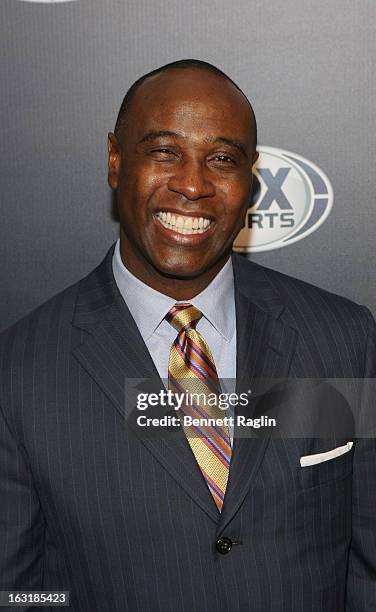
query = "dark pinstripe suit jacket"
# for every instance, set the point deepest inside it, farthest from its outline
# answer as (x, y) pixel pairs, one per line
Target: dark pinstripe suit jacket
(126, 523)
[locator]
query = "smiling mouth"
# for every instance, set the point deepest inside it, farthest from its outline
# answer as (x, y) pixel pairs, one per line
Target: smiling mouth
(183, 224)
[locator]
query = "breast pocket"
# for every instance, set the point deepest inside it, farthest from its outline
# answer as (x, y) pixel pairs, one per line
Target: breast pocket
(326, 467)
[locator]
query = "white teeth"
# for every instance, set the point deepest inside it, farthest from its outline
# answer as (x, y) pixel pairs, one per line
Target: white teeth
(183, 225)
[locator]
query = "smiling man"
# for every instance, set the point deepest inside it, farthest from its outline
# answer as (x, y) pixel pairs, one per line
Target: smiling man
(181, 165)
(202, 518)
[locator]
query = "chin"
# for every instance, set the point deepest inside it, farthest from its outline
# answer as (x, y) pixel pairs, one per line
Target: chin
(180, 270)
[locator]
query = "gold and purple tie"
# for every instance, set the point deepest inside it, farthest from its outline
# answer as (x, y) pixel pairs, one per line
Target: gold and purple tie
(191, 368)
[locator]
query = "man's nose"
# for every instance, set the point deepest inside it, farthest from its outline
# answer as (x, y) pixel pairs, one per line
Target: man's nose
(192, 180)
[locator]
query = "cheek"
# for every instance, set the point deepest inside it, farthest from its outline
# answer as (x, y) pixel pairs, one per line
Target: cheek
(235, 205)
(235, 192)
(148, 189)
(135, 195)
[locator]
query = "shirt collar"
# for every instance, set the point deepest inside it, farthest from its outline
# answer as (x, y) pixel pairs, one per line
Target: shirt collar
(216, 301)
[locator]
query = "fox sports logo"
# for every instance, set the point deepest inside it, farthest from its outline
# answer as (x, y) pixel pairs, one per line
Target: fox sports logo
(292, 197)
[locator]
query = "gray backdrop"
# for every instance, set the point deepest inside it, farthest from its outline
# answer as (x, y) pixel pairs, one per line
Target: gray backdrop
(307, 65)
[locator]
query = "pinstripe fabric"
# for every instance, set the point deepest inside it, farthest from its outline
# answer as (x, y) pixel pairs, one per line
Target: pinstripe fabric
(126, 522)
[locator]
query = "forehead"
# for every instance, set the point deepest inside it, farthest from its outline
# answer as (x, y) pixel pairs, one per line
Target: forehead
(190, 101)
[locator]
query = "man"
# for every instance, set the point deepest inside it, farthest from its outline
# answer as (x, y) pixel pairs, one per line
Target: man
(129, 521)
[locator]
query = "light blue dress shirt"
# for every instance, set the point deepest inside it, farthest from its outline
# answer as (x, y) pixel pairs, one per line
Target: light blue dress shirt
(148, 308)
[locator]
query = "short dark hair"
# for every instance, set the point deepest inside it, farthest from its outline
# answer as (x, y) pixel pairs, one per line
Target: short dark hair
(180, 65)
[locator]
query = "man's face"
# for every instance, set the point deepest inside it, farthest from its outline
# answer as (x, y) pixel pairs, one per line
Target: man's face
(182, 171)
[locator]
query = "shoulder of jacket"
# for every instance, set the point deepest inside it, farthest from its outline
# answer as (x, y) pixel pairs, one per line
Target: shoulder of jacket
(302, 300)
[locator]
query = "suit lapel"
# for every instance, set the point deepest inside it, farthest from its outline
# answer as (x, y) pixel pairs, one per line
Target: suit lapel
(114, 351)
(265, 347)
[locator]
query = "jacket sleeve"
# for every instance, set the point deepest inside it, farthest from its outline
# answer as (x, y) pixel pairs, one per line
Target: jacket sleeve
(361, 580)
(22, 524)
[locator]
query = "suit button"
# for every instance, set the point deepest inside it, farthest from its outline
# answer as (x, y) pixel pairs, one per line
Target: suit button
(223, 545)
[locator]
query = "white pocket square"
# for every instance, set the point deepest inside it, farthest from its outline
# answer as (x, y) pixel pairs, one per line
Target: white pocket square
(321, 457)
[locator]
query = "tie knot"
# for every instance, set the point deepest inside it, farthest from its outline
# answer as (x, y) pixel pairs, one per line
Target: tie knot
(183, 316)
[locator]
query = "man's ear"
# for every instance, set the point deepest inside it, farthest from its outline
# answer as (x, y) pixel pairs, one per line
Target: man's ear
(114, 161)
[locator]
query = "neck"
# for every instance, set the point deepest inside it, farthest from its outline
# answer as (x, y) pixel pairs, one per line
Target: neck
(178, 288)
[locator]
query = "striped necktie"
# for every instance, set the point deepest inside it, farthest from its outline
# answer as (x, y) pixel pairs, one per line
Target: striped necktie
(191, 368)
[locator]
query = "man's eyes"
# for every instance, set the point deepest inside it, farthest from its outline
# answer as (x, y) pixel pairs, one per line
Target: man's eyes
(163, 151)
(219, 158)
